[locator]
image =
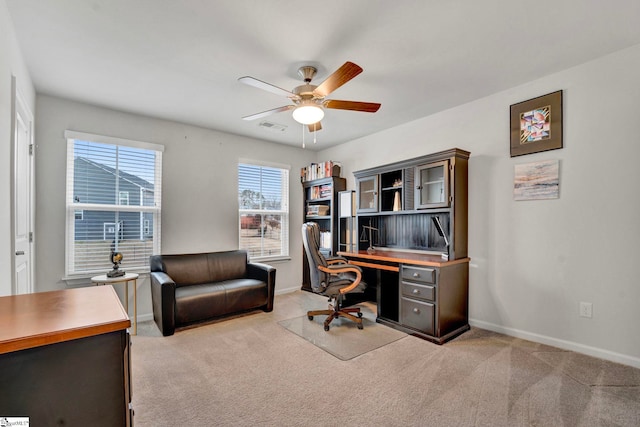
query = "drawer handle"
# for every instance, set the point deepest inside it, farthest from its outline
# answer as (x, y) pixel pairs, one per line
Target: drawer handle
(416, 274)
(416, 310)
(416, 291)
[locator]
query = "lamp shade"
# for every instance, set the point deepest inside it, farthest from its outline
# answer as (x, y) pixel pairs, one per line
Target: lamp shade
(308, 114)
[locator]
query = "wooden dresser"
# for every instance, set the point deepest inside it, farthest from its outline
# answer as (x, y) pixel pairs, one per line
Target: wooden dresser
(64, 358)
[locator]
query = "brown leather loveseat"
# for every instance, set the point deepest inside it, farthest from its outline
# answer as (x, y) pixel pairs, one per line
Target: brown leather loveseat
(189, 288)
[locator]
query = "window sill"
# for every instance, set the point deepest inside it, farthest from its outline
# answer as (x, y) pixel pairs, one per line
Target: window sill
(82, 280)
(270, 260)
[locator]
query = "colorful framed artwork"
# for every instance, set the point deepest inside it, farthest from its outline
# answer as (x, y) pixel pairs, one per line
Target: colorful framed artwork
(537, 180)
(536, 124)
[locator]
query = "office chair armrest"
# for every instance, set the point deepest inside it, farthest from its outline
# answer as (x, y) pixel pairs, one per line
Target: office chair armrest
(344, 268)
(336, 260)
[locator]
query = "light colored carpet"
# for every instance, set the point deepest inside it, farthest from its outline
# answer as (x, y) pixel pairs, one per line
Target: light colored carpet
(344, 340)
(250, 371)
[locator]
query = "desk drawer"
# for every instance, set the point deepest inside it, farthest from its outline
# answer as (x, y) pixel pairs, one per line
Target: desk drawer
(414, 290)
(418, 315)
(419, 274)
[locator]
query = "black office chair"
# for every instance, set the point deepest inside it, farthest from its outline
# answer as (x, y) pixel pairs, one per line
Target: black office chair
(332, 277)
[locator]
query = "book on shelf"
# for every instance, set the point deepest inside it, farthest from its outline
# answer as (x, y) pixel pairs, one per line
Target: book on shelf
(325, 191)
(315, 171)
(320, 191)
(317, 210)
(325, 240)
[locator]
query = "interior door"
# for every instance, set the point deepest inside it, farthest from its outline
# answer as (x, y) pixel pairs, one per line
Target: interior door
(22, 199)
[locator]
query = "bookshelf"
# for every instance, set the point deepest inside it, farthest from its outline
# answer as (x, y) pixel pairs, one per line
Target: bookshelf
(321, 170)
(321, 206)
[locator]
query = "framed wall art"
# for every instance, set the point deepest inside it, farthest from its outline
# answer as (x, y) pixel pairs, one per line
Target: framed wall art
(536, 124)
(537, 180)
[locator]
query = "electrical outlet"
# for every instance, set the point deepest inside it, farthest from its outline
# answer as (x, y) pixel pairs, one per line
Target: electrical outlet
(586, 309)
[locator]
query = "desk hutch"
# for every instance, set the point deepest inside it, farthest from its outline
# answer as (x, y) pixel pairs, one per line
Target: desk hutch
(412, 227)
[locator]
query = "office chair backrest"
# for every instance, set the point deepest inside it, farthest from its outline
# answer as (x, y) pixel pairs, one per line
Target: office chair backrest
(311, 242)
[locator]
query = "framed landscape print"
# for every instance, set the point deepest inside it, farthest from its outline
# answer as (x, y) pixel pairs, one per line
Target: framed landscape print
(536, 124)
(537, 180)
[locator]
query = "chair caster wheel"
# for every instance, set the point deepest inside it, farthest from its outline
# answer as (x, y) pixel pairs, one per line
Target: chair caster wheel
(359, 315)
(310, 317)
(326, 327)
(360, 326)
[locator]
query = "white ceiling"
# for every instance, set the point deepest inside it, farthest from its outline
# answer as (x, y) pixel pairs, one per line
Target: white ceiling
(181, 60)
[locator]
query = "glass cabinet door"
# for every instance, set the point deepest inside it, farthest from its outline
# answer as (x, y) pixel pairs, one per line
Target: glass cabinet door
(368, 194)
(432, 185)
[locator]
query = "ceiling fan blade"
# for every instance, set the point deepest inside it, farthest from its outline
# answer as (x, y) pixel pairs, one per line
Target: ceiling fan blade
(315, 127)
(267, 86)
(342, 75)
(268, 112)
(367, 107)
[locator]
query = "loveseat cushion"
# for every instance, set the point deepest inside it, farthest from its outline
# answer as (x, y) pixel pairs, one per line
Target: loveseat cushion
(196, 269)
(188, 269)
(245, 294)
(198, 302)
(227, 265)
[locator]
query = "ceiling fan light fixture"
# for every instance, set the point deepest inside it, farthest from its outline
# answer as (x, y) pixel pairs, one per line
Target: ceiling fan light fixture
(308, 114)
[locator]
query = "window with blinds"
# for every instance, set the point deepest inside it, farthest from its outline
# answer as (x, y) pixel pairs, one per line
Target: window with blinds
(113, 202)
(263, 200)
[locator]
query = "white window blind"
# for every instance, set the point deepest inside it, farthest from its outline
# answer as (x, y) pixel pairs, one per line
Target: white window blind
(116, 186)
(263, 200)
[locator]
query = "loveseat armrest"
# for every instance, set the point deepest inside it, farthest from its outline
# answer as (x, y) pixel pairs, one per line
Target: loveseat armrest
(266, 274)
(163, 299)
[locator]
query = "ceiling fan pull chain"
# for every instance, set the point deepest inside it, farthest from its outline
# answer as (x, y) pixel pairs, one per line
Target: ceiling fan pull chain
(303, 136)
(314, 133)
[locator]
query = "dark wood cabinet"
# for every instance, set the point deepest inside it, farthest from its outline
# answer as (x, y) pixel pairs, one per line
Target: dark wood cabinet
(432, 185)
(321, 206)
(416, 200)
(65, 358)
(412, 227)
(367, 194)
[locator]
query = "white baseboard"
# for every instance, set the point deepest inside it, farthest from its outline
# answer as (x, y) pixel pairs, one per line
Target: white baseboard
(287, 290)
(145, 317)
(563, 344)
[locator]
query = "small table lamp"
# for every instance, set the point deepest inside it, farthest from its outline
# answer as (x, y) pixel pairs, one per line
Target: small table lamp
(116, 259)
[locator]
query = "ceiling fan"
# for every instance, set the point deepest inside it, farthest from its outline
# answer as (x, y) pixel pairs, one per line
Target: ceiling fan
(309, 100)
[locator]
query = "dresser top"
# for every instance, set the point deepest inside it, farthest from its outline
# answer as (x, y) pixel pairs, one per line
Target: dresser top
(37, 319)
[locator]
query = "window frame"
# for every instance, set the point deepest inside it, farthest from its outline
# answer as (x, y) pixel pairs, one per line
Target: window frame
(284, 211)
(123, 196)
(72, 206)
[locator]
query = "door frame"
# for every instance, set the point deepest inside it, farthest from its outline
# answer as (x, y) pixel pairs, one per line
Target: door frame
(20, 108)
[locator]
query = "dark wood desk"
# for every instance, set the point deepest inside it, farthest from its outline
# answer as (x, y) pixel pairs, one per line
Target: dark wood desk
(420, 294)
(64, 358)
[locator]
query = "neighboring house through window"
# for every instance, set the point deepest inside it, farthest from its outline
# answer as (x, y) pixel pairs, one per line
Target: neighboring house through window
(113, 202)
(263, 200)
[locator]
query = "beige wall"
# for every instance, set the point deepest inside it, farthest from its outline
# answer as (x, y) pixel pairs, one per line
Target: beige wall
(199, 186)
(533, 262)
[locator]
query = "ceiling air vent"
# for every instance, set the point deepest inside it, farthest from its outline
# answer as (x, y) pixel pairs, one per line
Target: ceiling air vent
(272, 126)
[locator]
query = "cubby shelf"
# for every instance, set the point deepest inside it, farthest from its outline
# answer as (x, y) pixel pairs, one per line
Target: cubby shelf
(318, 194)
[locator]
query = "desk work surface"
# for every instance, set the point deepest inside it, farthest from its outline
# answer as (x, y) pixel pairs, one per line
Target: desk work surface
(33, 320)
(403, 257)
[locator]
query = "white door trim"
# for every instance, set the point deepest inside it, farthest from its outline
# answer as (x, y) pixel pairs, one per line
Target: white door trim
(21, 112)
